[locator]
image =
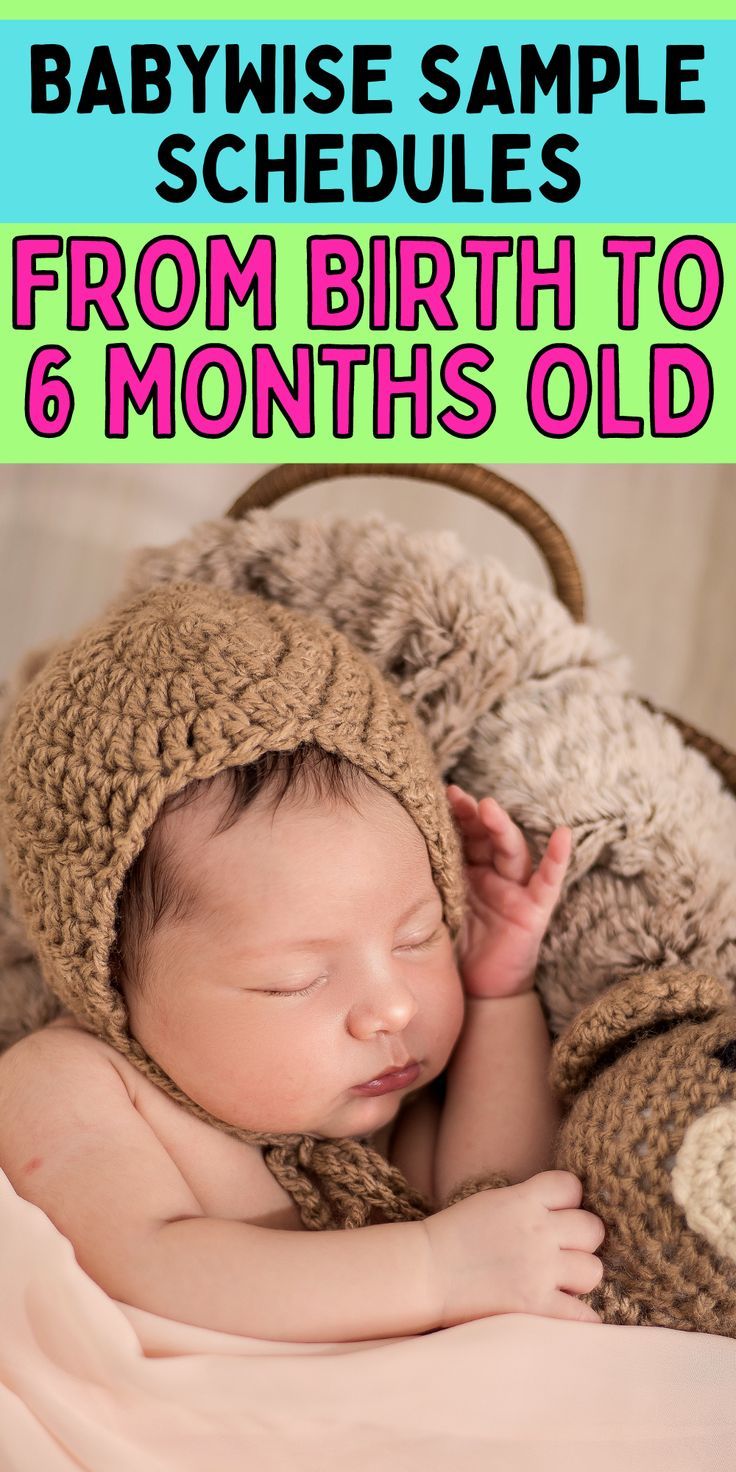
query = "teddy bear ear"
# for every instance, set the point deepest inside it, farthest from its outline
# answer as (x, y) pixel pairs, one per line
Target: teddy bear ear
(639, 1006)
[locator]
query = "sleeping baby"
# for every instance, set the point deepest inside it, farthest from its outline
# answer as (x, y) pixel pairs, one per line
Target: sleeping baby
(274, 936)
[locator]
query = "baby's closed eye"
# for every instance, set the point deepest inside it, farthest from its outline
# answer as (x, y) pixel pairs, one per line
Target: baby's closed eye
(412, 945)
(299, 992)
(420, 945)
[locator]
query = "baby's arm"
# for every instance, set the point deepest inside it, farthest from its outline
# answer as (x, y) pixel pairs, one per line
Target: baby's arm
(500, 1112)
(72, 1142)
(315, 1286)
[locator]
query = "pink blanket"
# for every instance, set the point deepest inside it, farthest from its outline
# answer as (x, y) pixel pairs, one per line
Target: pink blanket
(87, 1382)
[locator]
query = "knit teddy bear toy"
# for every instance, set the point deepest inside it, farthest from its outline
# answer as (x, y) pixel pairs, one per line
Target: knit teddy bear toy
(648, 1076)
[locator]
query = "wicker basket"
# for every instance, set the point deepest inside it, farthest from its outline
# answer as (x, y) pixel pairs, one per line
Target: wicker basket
(495, 490)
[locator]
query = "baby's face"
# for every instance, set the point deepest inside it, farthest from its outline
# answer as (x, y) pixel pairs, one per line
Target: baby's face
(312, 957)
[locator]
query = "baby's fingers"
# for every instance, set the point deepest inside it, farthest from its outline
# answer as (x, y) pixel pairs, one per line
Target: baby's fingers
(489, 835)
(511, 857)
(564, 1306)
(578, 1229)
(580, 1272)
(546, 883)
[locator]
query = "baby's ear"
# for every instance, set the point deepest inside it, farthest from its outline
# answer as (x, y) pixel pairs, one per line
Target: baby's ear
(639, 1006)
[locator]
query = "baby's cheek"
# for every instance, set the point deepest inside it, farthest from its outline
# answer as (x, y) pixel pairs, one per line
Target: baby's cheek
(451, 1008)
(458, 1017)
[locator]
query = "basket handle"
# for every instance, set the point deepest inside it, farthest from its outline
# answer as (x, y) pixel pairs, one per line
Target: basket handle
(473, 480)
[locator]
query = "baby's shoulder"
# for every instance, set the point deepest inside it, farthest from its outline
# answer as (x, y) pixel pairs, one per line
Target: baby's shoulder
(73, 1144)
(63, 1054)
(54, 1082)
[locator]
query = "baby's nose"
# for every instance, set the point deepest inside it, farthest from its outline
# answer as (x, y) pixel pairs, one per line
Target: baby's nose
(382, 1007)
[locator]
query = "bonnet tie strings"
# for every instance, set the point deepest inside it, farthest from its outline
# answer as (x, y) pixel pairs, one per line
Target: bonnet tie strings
(339, 1183)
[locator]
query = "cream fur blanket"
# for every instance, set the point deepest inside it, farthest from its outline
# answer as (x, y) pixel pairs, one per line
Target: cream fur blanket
(517, 700)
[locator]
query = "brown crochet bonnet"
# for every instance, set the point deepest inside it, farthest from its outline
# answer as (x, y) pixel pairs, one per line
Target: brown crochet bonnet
(180, 683)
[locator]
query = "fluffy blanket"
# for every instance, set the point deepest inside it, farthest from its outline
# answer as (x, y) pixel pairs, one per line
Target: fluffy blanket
(517, 700)
(87, 1382)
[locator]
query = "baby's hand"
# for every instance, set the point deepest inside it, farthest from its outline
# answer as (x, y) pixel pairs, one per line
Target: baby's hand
(509, 904)
(519, 1249)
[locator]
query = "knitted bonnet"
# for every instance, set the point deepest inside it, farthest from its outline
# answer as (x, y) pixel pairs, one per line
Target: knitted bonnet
(180, 683)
